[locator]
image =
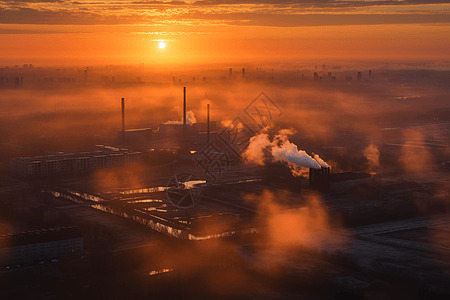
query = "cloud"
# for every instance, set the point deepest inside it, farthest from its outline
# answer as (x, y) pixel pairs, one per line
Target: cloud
(257, 13)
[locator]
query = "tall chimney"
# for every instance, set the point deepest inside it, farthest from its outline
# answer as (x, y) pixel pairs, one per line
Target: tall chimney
(231, 72)
(184, 106)
(207, 125)
(123, 120)
(243, 71)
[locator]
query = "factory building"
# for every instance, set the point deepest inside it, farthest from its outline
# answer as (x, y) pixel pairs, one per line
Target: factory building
(40, 245)
(321, 179)
(73, 163)
(141, 138)
(348, 180)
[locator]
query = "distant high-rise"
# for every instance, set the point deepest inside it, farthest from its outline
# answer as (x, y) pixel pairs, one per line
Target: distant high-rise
(243, 71)
(324, 67)
(21, 81)
(17, 81)
(25, 66)
(85, 74)
(316, 76)
(359, 76)
(231, 72)
(370, 73)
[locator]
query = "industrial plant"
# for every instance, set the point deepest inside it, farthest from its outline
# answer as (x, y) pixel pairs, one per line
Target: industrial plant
(248, 181)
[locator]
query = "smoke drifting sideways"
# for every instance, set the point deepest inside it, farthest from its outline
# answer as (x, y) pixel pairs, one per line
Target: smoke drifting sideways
(276, 147)
(190, 119)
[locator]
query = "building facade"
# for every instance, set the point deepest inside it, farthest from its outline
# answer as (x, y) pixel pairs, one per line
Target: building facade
(73, 163)
(39, 245)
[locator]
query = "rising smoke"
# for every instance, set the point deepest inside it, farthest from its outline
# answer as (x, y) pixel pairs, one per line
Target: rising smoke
(190, 119)
(265, 147)
(373, 156)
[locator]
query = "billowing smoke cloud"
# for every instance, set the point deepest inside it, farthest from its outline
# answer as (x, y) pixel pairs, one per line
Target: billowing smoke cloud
(287, 228)
(373, 156)
(190, 119)
(263, 148)
(416, 157)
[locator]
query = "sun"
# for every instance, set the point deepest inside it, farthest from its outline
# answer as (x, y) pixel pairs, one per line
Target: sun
(162, 45)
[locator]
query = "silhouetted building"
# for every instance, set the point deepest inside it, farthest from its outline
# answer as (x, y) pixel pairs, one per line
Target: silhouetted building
(243, 71)
(46, 213)
(370, 73)
(324, 67)
(359, 76)
(319, 178)
(73, 163)
(141, 137)
(316, 76)
(40, 245)
(399, 188)
(345, 181)
(176, 129)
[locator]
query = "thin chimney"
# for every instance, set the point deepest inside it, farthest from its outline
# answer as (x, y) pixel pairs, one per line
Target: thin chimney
(123, 119)
(184, 106)
(207, 125)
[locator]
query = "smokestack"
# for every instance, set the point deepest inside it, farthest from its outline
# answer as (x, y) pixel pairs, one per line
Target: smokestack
(231, 72)
(184, 106)
(123, 120)
(243, 71)
(207, 124)
(370, 73)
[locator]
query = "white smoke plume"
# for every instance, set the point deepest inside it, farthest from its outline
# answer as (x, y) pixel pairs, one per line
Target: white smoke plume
(190, 119)
(320, 161)
(263, 148)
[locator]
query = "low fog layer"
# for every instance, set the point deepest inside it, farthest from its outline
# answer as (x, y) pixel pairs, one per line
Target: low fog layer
(344, 120)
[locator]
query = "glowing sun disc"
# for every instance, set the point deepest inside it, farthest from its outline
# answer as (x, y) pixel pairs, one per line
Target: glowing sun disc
(162, 45)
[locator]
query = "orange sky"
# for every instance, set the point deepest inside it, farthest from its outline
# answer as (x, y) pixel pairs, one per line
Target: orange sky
(122, 32)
